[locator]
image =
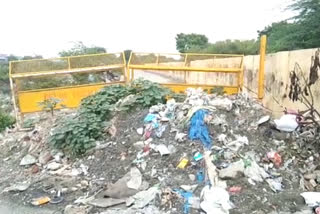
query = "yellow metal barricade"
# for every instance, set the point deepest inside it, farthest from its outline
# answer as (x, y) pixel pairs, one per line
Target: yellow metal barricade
(180, 71)
(69, 79)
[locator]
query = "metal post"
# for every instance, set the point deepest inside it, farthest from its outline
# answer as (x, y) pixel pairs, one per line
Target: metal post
(13, 96)
(185, 65)
(69, 64)
(263, 44)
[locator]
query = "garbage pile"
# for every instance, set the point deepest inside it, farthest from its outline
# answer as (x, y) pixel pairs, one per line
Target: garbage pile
(208, 154)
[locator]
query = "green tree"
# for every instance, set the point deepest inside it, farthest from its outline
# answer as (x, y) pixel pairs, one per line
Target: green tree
(4, 74)
(32, 57)
(300, 32)
(247, 47)
(308, 19)
(187, 42)
(282, 36)
(80, 49)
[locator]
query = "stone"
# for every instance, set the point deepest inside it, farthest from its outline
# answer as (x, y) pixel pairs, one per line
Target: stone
(28, 160)
(17, 187)
(73, 189)
(54, 166)
(64, 190)
(135, 180)
(57, 157)
(45, 157)
(139, 145)
(310, 176)
(10, 140)
(129, 201)
(106, 202)
(70, 209)
(143, 198)
(192, 177)
(140, 131)
(232, 171)
(84, 183)
(172, 149)
(34, 169)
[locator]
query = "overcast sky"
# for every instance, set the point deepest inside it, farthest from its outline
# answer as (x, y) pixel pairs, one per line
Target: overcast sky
(46, 27)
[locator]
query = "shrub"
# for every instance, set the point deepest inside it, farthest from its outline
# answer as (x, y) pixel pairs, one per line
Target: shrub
(5, 120)
(77, 134)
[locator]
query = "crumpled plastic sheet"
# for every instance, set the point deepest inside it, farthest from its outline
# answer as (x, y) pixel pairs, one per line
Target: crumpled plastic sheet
(215, 200)
(199, 130)
(287, 123)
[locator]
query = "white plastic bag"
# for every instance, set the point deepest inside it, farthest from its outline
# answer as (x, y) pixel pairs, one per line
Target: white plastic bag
(287, 123)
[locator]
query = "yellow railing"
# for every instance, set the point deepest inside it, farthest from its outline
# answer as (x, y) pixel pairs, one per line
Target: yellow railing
(30, 79)
(180, 71)
(176, 71)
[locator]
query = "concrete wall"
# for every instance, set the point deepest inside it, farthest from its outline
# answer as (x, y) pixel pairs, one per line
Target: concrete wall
(277, 76)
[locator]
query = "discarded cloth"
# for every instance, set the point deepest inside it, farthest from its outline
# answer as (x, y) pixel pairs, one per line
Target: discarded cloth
(198, 128)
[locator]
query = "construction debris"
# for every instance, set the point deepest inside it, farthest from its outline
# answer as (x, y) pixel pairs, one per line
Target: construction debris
(207, 153)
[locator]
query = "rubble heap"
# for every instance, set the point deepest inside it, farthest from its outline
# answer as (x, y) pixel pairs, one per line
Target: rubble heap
(209, 153)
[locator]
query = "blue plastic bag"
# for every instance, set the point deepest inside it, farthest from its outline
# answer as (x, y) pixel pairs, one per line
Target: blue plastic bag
(199, 130)
(152, 118)
(187, 196)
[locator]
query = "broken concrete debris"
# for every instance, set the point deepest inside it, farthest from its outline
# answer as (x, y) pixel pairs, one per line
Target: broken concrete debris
(18, 187)
(28, 160)
(203, 154)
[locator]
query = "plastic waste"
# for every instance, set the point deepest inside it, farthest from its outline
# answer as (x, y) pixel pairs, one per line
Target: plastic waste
(183, 163)
(221, 103)
(263, 120)
(255, 173)
(275, 157)
(160, 130)
(312, 199)
(162, 149)
(187, 199)
(215, 200)
(235, 190)
(200, 176)
(40, 201)
(153, 119)
(197, 156)
(140, 131)
(199, 130)
(275, 184)
(180, 137)
(287, 123)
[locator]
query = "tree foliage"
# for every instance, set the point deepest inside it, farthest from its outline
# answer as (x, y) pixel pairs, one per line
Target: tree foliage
(80, 48)
(247, 47)
(300, 32)
(4, 71)
(76, 134)
(187, 42)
